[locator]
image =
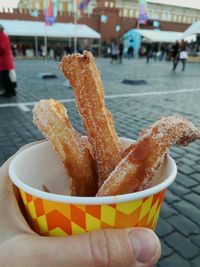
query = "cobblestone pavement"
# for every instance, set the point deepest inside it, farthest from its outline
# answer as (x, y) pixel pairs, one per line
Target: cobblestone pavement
(133, 108)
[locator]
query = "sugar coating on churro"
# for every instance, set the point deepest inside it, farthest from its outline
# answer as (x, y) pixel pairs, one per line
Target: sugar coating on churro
(186, 132)
(51, 119)
(85, 79)
(142, 159)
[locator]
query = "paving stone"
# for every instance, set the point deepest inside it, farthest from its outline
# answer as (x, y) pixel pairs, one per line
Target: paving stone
(174, 261)
(197, 167)
(196, 240)
(182, 245)
(193, 199)
(195, 262)
(170, 197)
(185, 181)
(192, 149)
(186, 169)
(163, 228)
(188, 210)
(167, 211)
(184, 225)
(196, 189)
(175, 155)
(179, 190)
(196, 176)
(193, 157)
(186, 161)
(166, 251)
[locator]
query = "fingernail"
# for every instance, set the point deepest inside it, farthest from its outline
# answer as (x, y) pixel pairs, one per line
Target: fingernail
(145, 244)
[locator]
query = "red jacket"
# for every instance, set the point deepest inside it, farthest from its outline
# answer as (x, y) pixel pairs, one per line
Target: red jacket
(6, 57)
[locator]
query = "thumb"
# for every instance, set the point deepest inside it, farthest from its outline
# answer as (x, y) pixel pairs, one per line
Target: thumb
(137, 247)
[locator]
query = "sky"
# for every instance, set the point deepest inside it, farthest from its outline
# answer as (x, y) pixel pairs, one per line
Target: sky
(186, 3)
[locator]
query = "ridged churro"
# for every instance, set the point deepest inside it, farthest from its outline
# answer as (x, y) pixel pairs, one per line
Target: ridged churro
(141, 160)
(85, 79)
(51, 118)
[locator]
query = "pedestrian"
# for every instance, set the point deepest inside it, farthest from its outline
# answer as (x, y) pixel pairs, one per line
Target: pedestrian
(175, 54)
(162, 53)
(183, 54)
(148, 52)
(130, 52)
(7, 69)
(108, 52)
(121, 52)
(155, 52)
(114, 52)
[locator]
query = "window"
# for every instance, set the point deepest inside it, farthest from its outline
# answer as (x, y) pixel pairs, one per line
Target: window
(169, 16)
(175, 18)
(125, 12)
(70, 7)
(111, 4)
(37, 5)
(150, 14)
(106, 4)
(190, 20)
(60, 7)
(179, 18)
(184, 19)
(155, 15)
(131, 13)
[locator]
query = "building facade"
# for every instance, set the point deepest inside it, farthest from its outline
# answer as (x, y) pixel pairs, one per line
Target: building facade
(112, 18)
(127, 9)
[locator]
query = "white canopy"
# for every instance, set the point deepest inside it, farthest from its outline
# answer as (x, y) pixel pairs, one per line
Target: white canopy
(163, 36)
(193, 29)
(160, 36)
(37, 28)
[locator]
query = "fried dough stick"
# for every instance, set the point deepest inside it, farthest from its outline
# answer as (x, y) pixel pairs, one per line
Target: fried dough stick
(51, 119)
(85, 79)
(142, 159)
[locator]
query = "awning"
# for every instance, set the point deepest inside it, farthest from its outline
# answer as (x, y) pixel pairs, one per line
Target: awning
(160, 36)
(193, 29)
(39, 29)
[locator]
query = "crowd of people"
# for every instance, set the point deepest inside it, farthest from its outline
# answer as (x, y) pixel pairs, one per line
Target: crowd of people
(54, 51)
(175, 52)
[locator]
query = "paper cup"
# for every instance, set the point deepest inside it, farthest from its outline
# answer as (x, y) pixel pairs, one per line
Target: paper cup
(56, 214)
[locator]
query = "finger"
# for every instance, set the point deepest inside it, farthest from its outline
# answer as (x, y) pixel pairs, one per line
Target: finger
(12, 221)
(9, 209)
(137, 247)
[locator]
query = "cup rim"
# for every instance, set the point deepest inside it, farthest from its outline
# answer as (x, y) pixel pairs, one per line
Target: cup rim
(90, 200)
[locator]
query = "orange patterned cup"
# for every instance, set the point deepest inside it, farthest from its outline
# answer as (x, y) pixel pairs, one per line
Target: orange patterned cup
(58, 214)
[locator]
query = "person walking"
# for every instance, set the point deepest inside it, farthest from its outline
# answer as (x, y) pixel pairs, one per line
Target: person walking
(130, 52)
(6, 65)
(114, 52)
(121, 52)
(148, 52)
(183, 54)
(175, 54)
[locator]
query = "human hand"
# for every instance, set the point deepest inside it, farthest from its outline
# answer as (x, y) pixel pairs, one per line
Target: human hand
(21, 247)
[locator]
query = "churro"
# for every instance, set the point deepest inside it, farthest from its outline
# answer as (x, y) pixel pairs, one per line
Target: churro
(51, 118)
(85, 79)
(141, 160)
